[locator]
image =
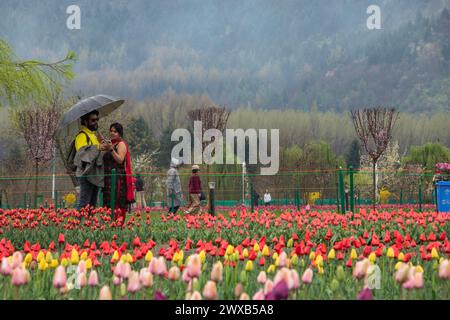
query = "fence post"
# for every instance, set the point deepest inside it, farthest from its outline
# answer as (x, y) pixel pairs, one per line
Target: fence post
(212, 186)
(56, 200)
(337, 196)
(113, 190)
(252, 196)
(352, 191)
(420, 194)
(401, 196)
(341, 189)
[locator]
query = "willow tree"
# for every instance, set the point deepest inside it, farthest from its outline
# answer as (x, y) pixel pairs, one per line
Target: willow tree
(25, 81)
(31, 89)
(374, 128)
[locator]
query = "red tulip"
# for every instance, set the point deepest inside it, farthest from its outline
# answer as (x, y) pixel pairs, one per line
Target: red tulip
(61, 238)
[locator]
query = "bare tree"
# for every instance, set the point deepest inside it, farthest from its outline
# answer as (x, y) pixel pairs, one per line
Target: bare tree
(374, 128)
(38, 124)
(212, 117)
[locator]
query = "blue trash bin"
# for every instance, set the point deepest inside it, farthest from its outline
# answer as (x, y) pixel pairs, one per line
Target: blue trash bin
(443, 196)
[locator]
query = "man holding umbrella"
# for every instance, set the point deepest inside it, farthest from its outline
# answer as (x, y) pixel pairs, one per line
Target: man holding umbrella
(85, 157)
(87, 137)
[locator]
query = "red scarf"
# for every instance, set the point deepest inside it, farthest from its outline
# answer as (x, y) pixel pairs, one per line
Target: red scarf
(129, 175)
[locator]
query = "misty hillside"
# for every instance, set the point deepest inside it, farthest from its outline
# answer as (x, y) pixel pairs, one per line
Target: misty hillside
(259, 53)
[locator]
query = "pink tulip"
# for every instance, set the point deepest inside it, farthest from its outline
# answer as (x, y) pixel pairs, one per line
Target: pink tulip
(244, 296)
(295, 279)
(60, 277)
(307, 276)
(268, 286)
(262, 278)
(18, 277)
(6, 268)
(152, 266)
(194, 266)
(126, 270)
(259, 295)
(238, 290)
(119, 269)
(105, 293)
(185, 276)
(360, 269)
(174, 273)
(81, 268)
(282, 259)
(402, 273)
(283, 274)
(196, 296)
(134, 284)
(116, 280)
(210, 290)
(217, 272)
(17, 259)
(81, 280)
(146, 278)
(93, 278)
(444, 270)
(161, 268)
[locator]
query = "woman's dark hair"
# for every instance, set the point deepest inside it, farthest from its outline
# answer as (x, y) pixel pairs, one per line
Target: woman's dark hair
(86, 116)
(118, 128)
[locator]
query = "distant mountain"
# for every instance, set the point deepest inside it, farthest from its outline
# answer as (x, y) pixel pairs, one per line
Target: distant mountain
(266, 54)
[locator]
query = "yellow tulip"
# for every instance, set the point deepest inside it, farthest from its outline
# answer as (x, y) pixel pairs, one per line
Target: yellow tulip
(202, 256)
(390, 253)
(40, 256)
(181, 255)
(401, 257)
(84, 256)
(64, 262)
(271, 269)
(312, 256)
(290, 243)
(320, 270)
(148, 256)
(74, 258)
(42, 265)
(266, 251)
(129, 258)
(115, 256)
(319, 261)
(331, 254)
(419, 269)
(123, 258)
(28, 258)
(353, 254)
(249, 265)
(434, 253)
(48, 257)
(245, 253)
(175, 258)
(275, 256)
(277, 262)
(230, 250)
(88, 264)
(54, 263)
(372, 257)
(256, 247)
(398, 265)
(294, 259)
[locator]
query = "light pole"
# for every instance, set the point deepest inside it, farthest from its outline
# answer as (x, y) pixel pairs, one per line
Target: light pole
(243, 182)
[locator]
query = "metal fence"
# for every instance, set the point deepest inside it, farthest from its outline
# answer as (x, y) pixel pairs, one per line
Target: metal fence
(343, 188)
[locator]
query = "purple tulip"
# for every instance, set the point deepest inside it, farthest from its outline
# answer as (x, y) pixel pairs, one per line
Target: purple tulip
(159, 296)
(365, 294)
(279, 292)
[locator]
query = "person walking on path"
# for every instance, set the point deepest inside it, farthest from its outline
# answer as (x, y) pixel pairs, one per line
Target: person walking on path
(195, 189)
(173, 186)
(267, 198)
(140, 194)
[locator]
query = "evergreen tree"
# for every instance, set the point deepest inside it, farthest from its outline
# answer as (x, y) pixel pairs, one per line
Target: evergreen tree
(165, 148)
(354, 155)
(140, 137)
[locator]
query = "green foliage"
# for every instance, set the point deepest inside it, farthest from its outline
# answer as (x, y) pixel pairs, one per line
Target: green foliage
(353, 157)
(428, 155)
(32, 80)
(165, 148)
(140, 137)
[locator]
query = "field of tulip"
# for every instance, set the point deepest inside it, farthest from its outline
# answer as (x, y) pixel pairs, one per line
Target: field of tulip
(271, 253)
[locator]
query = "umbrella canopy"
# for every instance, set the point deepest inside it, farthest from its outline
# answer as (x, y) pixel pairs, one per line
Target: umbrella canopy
(70, 123)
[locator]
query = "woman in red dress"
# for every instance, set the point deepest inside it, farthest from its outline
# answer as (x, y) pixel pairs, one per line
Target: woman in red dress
(118, 157)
